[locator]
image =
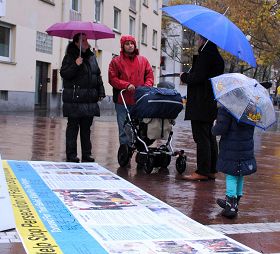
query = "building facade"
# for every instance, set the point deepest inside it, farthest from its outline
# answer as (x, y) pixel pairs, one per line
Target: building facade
(30, 59)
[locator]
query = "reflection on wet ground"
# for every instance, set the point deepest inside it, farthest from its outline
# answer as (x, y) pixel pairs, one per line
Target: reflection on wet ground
(41, 136)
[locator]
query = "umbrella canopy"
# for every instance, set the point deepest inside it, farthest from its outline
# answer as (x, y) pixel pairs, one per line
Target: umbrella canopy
(215, 27)
(92, 30)
(245, 98)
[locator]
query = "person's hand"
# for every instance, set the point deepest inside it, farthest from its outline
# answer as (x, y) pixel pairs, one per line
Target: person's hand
(79, 61)
(131, 87)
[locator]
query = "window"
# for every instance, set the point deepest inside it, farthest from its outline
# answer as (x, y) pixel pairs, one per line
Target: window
(162, 62)
(155, 6)
(132, 5)
(117, 19)
(146, 3)
(131, 25)
(75, 5)
(163, 44)
(2, 8)
(98, 10)
(154, 44)
(3, 95)
(5, 43)
(144, 34)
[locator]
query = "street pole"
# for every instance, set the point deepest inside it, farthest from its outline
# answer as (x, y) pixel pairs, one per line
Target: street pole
(174, 62)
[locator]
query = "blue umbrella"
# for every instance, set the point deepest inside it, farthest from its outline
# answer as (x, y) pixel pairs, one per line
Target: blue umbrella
(215, 27)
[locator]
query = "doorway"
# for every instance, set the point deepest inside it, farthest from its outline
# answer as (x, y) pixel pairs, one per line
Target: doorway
(41, 86)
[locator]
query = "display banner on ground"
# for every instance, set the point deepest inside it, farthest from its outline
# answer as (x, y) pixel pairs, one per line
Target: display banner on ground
(6, 219)
(86, 209)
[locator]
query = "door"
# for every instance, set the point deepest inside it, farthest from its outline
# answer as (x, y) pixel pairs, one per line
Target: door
(41, 86)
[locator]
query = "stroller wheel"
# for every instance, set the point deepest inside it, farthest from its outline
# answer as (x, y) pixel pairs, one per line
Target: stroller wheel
(181, 164)
(149, 165)
(124, 155)
(165, 160)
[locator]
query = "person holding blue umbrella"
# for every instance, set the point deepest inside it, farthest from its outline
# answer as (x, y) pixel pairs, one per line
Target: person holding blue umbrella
(201, 108)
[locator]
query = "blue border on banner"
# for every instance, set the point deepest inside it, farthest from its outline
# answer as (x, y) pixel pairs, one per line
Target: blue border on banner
(67, 232)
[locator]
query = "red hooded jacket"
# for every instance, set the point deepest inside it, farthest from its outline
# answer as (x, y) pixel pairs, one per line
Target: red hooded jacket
(125, 70)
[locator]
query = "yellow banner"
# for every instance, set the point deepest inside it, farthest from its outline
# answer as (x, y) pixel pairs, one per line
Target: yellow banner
(36, 238)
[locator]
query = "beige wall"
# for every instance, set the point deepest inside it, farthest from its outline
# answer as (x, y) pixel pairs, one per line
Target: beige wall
(30, 16)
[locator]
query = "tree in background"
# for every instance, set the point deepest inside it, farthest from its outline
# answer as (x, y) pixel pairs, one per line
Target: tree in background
(259, 20)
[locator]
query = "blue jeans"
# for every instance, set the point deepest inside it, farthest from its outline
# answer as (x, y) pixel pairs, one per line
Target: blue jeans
(121, 117)
(234, 185)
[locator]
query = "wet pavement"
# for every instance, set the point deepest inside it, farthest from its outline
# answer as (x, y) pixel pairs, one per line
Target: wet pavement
(41, 136)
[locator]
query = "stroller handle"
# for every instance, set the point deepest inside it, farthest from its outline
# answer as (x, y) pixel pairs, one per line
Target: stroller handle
(123, 100)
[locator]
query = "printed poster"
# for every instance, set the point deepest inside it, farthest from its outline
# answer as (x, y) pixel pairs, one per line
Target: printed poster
(84, 208)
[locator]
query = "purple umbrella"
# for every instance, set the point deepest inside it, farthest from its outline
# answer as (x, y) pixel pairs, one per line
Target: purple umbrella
(92, 30)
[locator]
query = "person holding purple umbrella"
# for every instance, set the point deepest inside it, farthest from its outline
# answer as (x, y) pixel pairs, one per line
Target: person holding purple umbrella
(82, 89)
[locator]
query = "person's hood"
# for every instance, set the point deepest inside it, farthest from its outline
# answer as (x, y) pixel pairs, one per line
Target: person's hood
(74, 51)
(125, 38)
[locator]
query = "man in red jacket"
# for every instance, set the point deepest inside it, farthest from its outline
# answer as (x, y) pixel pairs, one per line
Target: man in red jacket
(128, 71)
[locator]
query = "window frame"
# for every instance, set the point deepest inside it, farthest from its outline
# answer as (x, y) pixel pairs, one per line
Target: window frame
(145, 3)
(100, 11)
(118, 28)
(144, 34)
(9, 57)
(132, 5)
(155, 6)
(78, 7)
(131, 28)
(154, 39)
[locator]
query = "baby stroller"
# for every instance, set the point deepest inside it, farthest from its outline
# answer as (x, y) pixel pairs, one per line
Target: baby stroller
(152, 118)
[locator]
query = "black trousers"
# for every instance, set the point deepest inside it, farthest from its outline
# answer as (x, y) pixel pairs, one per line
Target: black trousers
(75, 124)
(206, 147)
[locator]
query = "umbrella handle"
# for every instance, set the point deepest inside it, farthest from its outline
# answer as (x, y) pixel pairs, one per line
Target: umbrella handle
(80, 44)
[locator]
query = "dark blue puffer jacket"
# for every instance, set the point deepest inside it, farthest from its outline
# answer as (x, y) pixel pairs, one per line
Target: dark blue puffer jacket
(236, 147)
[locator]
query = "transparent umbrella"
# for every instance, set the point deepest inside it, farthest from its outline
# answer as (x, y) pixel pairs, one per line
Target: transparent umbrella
(245, 98)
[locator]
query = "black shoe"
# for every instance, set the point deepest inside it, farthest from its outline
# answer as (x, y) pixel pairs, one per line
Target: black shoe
(88, 158)
(222, 202)
(73, 159)
(231, 208)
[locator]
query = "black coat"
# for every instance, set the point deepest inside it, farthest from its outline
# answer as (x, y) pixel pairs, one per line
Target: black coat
(82, 85)
(201, 105)
(236, 147)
